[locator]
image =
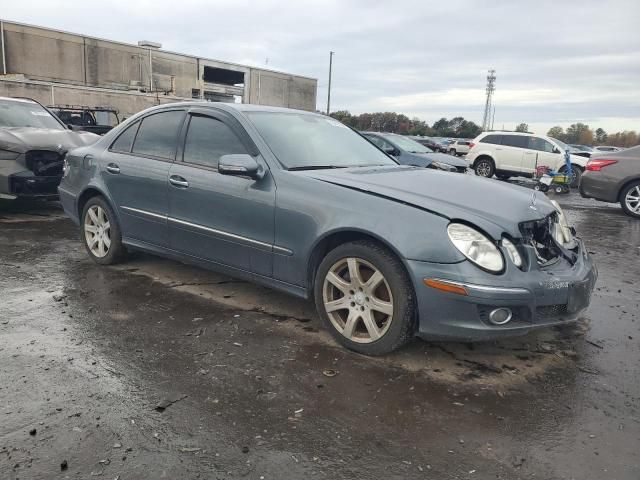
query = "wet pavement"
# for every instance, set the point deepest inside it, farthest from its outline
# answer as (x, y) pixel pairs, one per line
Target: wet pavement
(153, 369)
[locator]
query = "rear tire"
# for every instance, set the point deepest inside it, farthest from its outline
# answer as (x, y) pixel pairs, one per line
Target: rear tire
(365, 298)
(630, 199)
(100, 232)
(484, 168)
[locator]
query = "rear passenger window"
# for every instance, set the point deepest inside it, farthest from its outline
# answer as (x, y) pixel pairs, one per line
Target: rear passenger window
(158, 135)
(519, 141)
(209, 139)
(494, 139)
(125, 141)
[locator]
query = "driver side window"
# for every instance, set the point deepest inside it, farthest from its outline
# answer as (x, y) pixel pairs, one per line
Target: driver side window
(209, 139)
(540, 144)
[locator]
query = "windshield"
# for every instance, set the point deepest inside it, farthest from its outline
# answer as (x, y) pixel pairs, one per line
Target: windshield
(563, 146)
(23, 113)
(407, 144)
(301, 141)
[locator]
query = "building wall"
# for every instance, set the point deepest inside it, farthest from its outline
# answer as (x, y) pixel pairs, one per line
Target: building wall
(53, 56)
(47, 93)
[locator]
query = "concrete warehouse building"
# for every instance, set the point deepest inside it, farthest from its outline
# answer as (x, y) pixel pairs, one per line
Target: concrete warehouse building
(60, 68)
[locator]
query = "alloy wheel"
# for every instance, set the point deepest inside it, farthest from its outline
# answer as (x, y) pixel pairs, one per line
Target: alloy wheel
(632, 200)
(358, 300)
(97, 231)
(483, 169)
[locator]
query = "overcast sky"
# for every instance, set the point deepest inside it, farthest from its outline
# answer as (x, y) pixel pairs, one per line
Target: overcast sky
(557, 62)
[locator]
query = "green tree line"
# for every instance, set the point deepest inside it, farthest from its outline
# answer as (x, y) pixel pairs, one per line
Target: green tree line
(581, 134)
(393, 122)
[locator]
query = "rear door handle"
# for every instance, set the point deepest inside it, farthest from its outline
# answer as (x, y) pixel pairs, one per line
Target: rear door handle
(178, 181)
(113, 168)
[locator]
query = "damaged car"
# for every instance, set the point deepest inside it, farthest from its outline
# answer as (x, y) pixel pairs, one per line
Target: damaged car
(301, 203)
(33, 143)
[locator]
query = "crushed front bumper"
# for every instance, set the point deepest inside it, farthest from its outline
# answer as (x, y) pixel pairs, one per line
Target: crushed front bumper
(540, 297)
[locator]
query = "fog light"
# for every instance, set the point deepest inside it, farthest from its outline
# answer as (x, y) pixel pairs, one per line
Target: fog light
(500, 316)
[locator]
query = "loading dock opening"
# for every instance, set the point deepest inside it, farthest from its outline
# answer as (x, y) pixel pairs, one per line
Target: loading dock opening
(223, 76)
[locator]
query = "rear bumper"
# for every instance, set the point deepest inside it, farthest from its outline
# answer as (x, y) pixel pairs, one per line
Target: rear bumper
(599, 186)
(536, 298)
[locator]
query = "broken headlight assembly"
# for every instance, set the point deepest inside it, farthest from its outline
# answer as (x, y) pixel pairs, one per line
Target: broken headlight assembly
(476, 246)
(561, 231)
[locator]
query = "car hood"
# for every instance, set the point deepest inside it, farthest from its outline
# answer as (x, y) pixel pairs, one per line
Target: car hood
(443, 158)
(23, 139)
(492, 205)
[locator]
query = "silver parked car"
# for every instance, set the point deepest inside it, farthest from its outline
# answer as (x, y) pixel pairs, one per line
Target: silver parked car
(614, 177)
(33, 143)
(301, 203)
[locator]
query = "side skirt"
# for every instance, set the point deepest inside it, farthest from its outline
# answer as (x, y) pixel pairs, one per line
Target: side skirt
(238, 273)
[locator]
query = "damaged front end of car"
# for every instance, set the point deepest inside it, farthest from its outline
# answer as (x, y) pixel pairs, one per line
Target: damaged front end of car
(34, 173)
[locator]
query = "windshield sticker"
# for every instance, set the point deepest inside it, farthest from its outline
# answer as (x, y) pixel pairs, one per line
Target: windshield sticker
(40, 114)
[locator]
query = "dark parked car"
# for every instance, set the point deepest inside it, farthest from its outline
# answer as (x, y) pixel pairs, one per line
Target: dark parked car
(98, 120)
(614, 177)
(33, 143)
(410, 152)
(427, 142)
(301, 203)
(582, 150)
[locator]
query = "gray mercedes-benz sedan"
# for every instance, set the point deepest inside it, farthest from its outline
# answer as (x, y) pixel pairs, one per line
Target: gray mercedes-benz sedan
(301, 203)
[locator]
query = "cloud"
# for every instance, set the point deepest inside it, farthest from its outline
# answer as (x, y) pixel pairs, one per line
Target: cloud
(556, 62)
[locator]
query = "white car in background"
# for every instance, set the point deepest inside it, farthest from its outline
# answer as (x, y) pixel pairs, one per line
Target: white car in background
(513, 154)
(459, 147)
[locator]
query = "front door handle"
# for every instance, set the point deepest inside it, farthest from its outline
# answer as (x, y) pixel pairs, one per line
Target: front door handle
(178, 181)
(113, 168)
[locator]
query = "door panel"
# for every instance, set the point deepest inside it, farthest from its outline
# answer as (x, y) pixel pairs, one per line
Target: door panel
(222, 218)
(139, 190)
(225, 219)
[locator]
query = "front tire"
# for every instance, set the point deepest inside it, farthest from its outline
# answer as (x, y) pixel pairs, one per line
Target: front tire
(100, 232)
(484, 168)
(365, 298)
(630, 199)
(577, 175)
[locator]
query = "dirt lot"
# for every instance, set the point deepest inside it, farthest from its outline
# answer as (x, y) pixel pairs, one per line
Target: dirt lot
(154, 369)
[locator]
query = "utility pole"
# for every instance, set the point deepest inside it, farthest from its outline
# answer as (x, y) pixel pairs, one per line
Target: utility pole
(491, 87)
(329, 90)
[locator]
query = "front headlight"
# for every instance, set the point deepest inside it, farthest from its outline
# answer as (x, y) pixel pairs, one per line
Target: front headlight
(7, 155)
(476, 247)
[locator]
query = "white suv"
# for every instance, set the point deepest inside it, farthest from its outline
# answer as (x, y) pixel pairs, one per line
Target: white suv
(509, 154)
(459, 147)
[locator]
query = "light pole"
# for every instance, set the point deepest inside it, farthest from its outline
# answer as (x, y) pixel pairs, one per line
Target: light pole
(329, 90)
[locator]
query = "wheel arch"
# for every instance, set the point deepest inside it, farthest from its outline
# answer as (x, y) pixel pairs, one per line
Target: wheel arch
(335, 238)
(484, 156)
(88, 193)
(625, 184)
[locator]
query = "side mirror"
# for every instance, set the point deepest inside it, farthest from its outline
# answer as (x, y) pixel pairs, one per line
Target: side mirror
(556, 150)
(240, 165)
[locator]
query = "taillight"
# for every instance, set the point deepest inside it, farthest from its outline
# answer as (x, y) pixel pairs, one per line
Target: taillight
(471, 145)
(598, 164)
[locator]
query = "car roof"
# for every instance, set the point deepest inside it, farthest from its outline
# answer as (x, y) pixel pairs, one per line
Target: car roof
(19, 99)
(240, 107)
